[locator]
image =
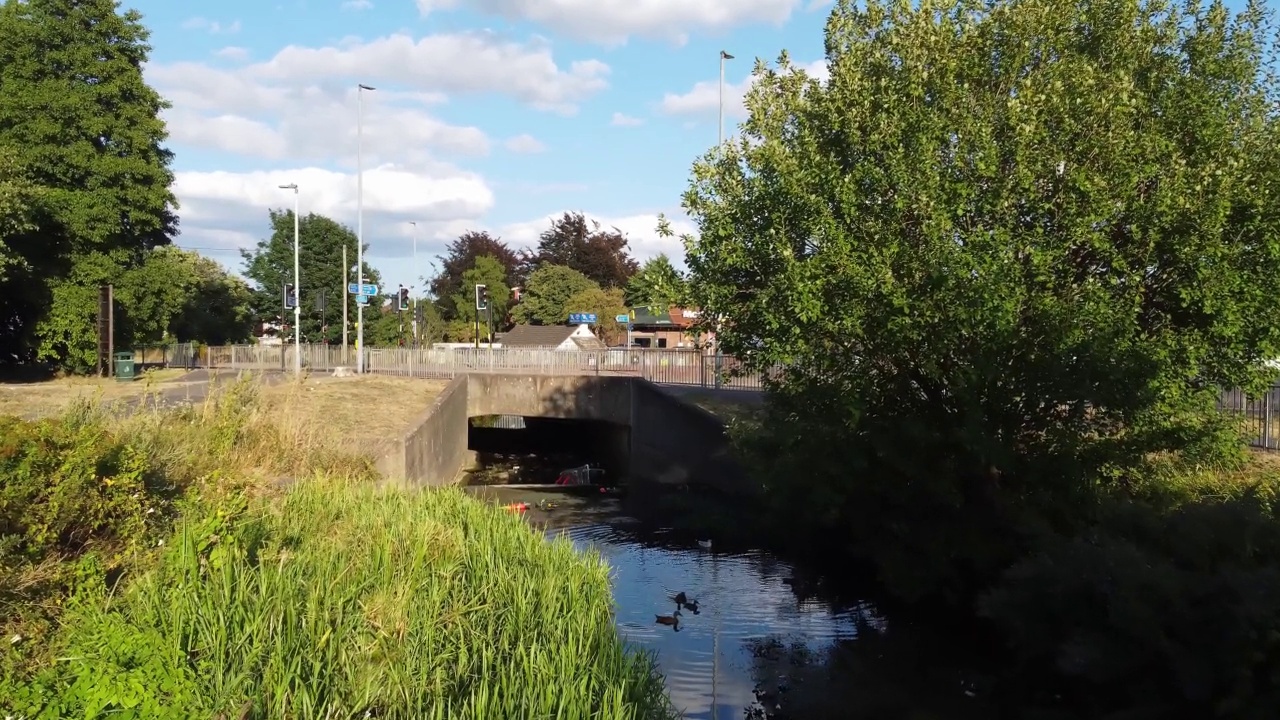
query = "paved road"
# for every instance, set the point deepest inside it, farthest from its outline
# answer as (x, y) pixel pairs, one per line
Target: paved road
(193, 388)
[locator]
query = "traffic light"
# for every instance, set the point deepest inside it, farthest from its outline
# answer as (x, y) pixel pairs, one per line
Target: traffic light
(418, 313)
(482, 297)
(290, 296)
(403, 298)
(320, 300)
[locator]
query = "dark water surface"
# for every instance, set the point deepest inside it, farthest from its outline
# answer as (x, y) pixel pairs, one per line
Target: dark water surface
(758, 647)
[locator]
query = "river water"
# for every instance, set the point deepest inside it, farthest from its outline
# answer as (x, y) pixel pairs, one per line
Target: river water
(761, 644)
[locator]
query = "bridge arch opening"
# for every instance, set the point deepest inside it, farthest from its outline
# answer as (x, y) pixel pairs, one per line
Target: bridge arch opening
(521, 449)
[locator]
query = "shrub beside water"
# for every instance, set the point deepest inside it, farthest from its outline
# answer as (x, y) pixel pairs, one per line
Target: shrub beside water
(332, 599)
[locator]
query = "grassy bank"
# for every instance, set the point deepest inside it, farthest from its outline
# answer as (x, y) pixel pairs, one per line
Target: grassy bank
(151, 568)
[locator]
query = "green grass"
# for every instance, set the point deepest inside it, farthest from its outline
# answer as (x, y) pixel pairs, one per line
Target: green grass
(333, 599)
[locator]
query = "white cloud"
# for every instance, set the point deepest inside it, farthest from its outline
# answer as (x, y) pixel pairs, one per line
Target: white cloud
(462, 63)
(232, 52)
(223, 212)
(641, 231)
(301, 104)
(212, 26)
(357, 5)
(525, 145)
(621, 120)
(704, 97)
(612, 22)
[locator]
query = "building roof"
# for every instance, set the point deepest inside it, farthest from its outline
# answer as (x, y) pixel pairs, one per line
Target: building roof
(537, 335)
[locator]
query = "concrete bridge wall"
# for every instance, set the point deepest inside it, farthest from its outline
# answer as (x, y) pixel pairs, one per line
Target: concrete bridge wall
(669, 441)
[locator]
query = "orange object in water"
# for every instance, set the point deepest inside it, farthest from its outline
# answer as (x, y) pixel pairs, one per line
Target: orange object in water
(516, 507)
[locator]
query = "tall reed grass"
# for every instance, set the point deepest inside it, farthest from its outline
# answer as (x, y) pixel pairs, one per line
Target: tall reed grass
(333, 598)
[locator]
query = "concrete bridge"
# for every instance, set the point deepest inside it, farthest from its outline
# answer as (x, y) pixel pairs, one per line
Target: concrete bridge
(664, 439)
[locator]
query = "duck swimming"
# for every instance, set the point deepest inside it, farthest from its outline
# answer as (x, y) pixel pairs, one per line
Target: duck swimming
(673, 619)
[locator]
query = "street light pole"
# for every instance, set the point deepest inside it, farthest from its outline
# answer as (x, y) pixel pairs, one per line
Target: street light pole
(414, 284)
(723, 56)
(297, 286)
(360, 223)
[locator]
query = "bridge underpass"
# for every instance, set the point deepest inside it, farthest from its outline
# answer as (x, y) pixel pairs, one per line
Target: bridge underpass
(519, 449)
(648, 434)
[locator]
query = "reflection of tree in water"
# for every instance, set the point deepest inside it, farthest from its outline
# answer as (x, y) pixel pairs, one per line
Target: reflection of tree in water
(885, 674)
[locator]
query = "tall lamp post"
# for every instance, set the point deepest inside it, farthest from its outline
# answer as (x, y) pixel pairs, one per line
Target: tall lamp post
(297, 286)
(360, 223)
(414, 284)
(723, 56)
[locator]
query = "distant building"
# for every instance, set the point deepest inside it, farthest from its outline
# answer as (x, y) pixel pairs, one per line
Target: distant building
(551, 337)
(667, 328)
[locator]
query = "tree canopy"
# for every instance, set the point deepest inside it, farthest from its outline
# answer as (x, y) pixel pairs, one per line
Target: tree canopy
(461, 256)
(79, 130)
(320, 242)
(1010, 252)
(599, 254)
(658, 283)
(606, 303)
(546, 293)
(490, 272)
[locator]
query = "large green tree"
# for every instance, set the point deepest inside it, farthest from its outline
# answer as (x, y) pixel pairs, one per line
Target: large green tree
(490, 272)
(81, 126)
(606, 304)
(657, 283)
(1009, 250)
(178, 295)
(545, 294)
(320, 242)
(460, 256)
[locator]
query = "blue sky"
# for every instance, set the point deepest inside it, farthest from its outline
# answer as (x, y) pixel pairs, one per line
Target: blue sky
(488, 114)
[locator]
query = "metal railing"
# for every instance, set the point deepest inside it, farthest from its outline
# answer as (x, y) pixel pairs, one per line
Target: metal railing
(663, 367)
(177, 355)
(1260, 414)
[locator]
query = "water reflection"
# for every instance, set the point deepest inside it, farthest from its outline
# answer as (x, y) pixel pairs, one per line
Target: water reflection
(755, 649)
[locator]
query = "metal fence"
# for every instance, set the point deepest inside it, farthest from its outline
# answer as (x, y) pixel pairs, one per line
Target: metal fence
(663, 367)
(178, 355)
(1261, 418)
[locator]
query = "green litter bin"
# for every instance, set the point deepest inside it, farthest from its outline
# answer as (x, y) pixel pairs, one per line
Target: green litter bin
(125, 367)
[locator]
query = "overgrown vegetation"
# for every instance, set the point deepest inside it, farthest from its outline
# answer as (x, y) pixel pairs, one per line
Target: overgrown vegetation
(1011, 251)
(148, 568)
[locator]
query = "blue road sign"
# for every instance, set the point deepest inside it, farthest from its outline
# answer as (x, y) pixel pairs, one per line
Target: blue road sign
(582, 318)
(355, 289)
(362, 299)
(624, 319)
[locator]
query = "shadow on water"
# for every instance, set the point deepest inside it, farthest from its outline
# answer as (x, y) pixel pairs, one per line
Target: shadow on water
(765, 642)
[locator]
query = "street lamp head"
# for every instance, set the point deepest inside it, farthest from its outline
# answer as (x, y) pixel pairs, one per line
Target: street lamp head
(366, 87)
(290, 186)
(725, 56)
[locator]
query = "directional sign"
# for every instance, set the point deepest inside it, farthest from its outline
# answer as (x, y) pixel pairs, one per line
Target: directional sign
(362, 299)
(355, 289)
(624, 319)
(582, 318)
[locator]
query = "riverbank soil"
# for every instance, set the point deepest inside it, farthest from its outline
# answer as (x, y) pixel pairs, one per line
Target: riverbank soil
(38, 396)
